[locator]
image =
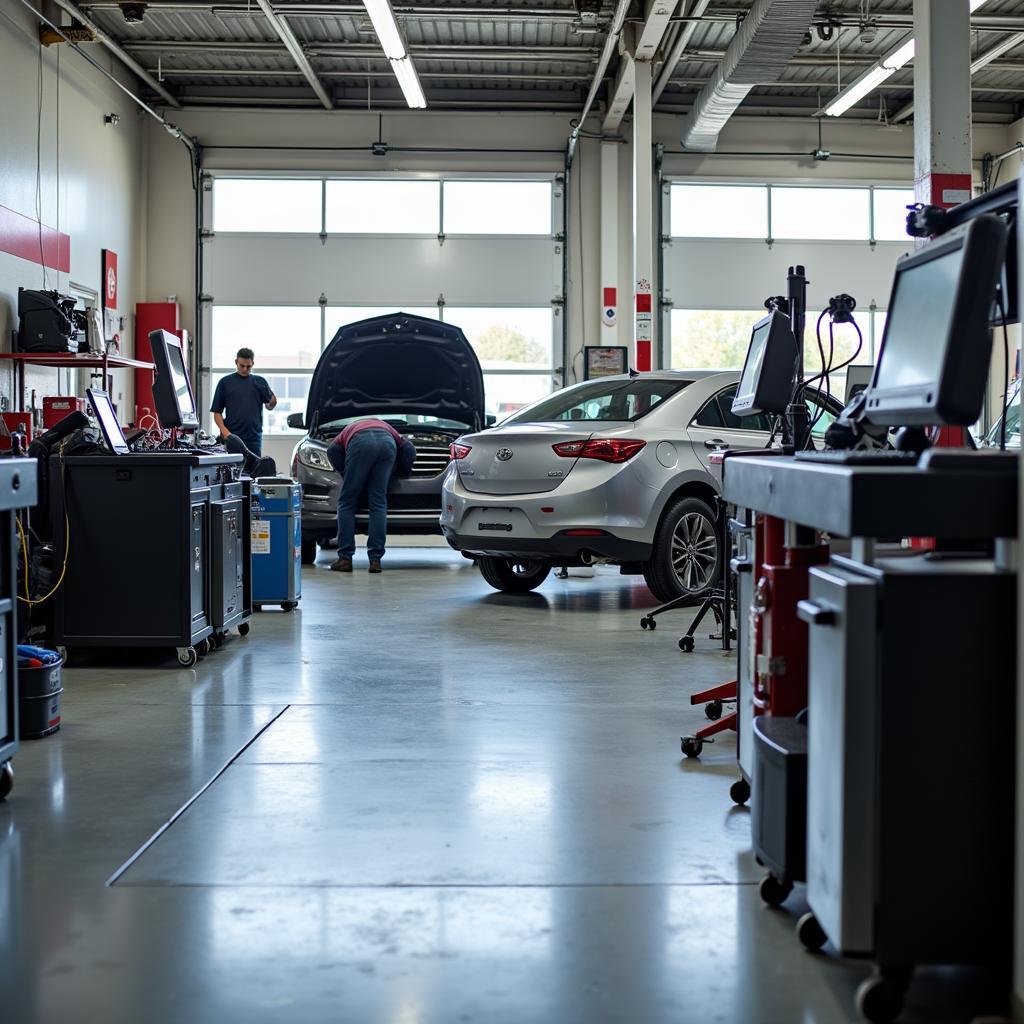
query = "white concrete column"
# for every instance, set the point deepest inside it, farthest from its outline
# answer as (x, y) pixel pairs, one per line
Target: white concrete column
(610, 330)
(643, 220)
(942, 102)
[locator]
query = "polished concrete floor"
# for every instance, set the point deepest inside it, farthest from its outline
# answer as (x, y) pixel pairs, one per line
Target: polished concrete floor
(413, 800)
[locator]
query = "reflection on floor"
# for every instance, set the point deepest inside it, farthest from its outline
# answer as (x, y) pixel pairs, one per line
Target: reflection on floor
(425, 802)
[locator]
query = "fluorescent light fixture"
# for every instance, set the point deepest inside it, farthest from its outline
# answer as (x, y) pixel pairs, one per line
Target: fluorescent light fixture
(384, 24)
(890, 63)
(409, 82)
(894, 61)
(858, 90)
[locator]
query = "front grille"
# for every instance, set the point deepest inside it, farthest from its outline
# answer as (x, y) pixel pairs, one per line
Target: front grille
(431, 460)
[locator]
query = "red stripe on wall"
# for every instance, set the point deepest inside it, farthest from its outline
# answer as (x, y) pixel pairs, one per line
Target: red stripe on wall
(19, 236)
(643, 302)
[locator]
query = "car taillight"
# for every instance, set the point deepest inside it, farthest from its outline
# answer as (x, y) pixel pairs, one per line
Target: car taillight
(459, 451)
(606, 449)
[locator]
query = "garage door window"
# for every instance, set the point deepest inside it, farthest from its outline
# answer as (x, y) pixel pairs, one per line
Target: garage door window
(383, 207)
(719, 211)
(497, 208)
(273, 206)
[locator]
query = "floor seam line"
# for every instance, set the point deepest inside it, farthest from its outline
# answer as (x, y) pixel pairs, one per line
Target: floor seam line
(176, 816)
(436, 885)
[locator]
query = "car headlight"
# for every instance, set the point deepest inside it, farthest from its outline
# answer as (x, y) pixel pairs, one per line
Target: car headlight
(315, 457)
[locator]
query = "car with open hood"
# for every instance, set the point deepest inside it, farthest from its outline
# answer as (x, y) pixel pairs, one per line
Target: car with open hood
(418, 374)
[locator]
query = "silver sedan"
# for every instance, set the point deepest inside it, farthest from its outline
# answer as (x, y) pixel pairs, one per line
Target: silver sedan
(613, 470)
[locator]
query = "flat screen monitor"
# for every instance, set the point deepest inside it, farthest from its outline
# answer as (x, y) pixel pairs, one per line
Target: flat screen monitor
(935, 354)
(172, 389)
(766, 384)
(107, 419)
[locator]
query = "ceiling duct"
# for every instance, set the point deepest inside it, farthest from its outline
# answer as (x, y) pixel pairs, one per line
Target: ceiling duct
(764, 44)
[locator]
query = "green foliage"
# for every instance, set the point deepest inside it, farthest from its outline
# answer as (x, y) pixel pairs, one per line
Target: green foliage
(503, 344)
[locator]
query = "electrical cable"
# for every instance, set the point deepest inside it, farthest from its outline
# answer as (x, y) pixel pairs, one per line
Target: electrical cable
(67, 543)
(39, 160)
(1006, 370)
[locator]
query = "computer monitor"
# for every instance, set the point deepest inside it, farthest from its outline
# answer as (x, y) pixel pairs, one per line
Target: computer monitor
(766, 384)
(933, 365)
(107, 418)
(172, 389)
(858, 378)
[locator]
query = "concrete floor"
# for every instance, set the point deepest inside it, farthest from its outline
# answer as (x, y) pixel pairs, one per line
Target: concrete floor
(411, 801)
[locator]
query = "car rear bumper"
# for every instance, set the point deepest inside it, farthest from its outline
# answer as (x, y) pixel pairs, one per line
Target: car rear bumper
(556, 549)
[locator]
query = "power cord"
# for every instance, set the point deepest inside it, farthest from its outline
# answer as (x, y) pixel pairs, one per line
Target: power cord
(1006, 369)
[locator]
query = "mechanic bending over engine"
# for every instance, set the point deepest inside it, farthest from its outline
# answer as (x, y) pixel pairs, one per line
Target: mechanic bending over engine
(367, 454)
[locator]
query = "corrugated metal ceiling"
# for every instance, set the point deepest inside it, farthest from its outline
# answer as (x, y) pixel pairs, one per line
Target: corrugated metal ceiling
(467, 45)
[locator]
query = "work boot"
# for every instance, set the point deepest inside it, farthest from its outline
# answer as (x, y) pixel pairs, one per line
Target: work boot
(342, 565)
(375, 566)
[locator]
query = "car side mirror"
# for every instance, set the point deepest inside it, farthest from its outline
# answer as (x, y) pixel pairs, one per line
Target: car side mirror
(296, 421)
(490, 420)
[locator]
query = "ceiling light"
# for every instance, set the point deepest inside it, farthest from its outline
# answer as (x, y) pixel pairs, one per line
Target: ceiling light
(409, 82)
(902, 56)
(852, 93)
(386, 27)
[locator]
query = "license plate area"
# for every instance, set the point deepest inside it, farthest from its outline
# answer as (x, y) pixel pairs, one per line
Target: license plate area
(499, 522)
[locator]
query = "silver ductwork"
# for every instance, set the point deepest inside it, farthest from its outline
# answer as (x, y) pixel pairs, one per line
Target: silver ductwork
(763, 45)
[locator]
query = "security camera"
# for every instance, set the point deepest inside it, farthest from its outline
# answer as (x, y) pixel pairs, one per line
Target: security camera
(133, 13)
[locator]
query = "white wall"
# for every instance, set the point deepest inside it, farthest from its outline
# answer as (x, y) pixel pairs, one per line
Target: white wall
(91, 178)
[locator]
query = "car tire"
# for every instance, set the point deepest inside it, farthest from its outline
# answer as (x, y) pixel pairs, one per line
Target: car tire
(512, 577)
(308, 551)
(687, 522)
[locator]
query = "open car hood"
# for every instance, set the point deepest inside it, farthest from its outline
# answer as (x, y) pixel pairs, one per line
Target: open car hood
(398, 363)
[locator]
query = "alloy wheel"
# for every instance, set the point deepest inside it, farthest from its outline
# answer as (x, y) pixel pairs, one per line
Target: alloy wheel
(694, 551)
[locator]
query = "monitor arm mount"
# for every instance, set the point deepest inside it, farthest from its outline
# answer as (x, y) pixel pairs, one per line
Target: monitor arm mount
(796, 422)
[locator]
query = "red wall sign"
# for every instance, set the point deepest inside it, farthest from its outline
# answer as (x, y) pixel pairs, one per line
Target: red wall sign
(109, 279)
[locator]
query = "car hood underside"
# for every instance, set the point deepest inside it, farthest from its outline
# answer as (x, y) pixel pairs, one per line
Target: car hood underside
(397, 364)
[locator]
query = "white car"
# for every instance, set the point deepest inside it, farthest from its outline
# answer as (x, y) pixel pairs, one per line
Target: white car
(611, 470)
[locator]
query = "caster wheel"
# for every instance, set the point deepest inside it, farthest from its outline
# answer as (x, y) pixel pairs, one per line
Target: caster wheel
(740, 791)
(187, 656)
(243, 629)
(811, 935)
(686, 644)
(203, 648)
(6, 780)
(880, 1000)
(774, 891)
(648, 623)
(692, 745)
(289, 605)
(713, 710)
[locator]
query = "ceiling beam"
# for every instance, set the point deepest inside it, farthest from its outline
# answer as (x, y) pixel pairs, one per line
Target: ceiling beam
(697, 9)
(640, 43)
(292, 45)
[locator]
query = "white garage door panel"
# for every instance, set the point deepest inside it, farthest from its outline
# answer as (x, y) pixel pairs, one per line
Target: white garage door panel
(740, 274)
(371, 271)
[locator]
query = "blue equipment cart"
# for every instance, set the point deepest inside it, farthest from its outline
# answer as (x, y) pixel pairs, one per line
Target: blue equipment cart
(276, 542)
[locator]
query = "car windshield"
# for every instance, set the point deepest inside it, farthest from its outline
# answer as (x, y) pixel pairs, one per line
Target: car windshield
(616, 399)
(397, 421)
(1012, 422)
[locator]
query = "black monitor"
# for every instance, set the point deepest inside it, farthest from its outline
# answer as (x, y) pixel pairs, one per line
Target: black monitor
(107, 419)
(766, 384)
(172, 389)
(935, 354)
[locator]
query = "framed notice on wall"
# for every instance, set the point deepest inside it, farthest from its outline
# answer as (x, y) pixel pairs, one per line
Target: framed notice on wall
(603, 360)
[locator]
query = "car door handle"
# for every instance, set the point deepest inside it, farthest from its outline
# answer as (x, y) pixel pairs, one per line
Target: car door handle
(716, 443)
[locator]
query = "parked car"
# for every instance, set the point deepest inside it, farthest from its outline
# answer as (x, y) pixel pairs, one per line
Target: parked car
(418, 374)
(612, 470)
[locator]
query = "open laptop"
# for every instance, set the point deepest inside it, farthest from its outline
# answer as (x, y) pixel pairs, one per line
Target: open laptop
(107, 418)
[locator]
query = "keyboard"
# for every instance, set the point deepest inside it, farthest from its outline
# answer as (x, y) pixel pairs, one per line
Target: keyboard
(861, 457)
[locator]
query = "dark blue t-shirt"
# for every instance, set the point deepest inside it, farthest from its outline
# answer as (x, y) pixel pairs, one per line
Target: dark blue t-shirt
(240, 400)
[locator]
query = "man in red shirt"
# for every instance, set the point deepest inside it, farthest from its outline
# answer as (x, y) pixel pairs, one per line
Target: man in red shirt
(366, 454)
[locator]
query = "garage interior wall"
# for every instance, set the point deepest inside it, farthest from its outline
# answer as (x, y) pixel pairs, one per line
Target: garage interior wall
(92, 184)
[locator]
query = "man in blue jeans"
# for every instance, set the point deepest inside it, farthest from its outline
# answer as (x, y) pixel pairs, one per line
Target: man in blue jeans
(366, 454)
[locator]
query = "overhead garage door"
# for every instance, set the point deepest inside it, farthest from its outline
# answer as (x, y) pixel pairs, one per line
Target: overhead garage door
(288, 260)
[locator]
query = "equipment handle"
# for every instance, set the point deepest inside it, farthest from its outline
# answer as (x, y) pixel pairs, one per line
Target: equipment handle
(814, 615)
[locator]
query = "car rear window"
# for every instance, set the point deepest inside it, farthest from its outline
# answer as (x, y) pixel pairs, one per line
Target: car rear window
(601, 400)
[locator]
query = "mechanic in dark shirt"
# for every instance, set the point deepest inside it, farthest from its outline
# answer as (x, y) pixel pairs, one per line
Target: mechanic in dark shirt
(367, 453)
(239, 401)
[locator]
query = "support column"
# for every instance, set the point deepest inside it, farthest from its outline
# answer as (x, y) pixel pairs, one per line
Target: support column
(643, 219)
(610, 331)
(942, 102)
